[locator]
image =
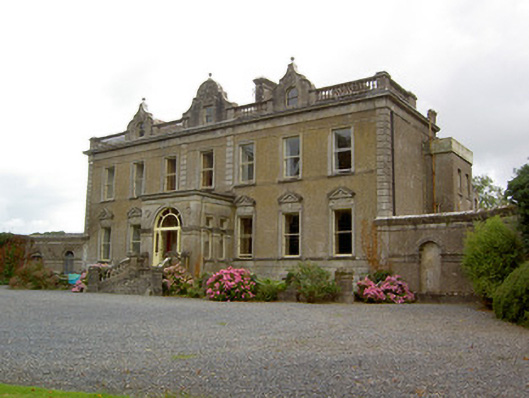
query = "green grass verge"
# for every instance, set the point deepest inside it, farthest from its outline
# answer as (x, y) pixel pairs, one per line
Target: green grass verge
(8, 391)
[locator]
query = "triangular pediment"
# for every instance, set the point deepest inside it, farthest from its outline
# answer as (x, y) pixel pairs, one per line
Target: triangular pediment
(134, 212)
(105, 214)
(289, 197)
(244, 200)
(341, 193)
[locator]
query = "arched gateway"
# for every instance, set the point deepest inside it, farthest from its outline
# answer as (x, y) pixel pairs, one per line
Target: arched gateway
(167, 234)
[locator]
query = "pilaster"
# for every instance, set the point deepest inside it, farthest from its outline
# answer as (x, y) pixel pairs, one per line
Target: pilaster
(384, 163)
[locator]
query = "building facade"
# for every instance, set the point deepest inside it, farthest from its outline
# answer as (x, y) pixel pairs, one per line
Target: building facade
(290, 177)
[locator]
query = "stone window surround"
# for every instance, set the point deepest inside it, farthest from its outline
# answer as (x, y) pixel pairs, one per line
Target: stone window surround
(167, 175)
(284, 176)
(341, 199)
(333, 152)
(204, 170)
(108, 188)
(240, 164)
(105, 244)
(134, 180)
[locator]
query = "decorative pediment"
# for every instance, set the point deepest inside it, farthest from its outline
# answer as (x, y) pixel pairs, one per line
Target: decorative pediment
(209, 106)
(244, 200)
(292, 82)
(141, 123)
(105, 214)
(134, 212)
(341, 193)
(290, 197)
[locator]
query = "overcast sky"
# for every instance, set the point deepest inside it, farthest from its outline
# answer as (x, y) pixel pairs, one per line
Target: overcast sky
(72, 70)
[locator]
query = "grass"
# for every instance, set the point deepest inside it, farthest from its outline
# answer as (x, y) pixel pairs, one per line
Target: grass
(182, 356)
(9, 391)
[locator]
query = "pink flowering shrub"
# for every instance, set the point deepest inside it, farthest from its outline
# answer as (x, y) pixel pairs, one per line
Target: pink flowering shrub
(391, 290)
(231, 284)
(80, 284)
(177, 280)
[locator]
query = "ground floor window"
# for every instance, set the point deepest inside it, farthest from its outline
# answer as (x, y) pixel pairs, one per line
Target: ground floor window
(167, 228)
(291, 235)
(105, 247)
(245, 232)
(135, 239)
(343, 232)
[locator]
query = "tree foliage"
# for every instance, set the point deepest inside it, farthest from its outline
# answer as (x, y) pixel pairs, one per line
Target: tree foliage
(492, 251)
(489, 195)
(518, 194)
(12, 255)
(511, 299)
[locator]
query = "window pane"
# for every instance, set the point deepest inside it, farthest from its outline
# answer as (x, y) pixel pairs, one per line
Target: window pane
(343, 160)
(291, 234)
(292, 167)
(207, 160)
(342, 138)
(245, 236)
(292, 97)
(292, 146)
(343, 230)
(246, 162)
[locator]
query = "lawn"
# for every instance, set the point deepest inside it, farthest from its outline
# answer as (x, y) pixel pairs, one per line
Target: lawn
(8, 391)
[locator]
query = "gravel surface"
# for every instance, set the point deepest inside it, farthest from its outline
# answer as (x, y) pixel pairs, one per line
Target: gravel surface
(145, 346)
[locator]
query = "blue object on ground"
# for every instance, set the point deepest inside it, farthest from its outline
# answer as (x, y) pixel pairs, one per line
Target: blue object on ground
(72, 278)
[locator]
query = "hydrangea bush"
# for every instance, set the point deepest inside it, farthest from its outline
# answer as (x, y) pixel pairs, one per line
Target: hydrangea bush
(82, 282)
(391, 290)
(231, 284)
(177, 280)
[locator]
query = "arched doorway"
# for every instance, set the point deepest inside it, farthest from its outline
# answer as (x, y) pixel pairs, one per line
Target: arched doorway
(68, 262)
(167, 234)
(430, 268)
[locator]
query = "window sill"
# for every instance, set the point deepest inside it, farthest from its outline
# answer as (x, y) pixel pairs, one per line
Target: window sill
(107, 200)
(289, 179)
(342, 173)
(244, 184)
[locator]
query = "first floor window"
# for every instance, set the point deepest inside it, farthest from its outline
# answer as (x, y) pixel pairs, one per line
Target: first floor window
(343, 150)
(206, 176)
(246, 163)
(170, 174)
(108, 183)
(105, 248)
(245, 236)
(135, 239)
(138, 179)
(291, 234)
(291, 157)
(343, 232)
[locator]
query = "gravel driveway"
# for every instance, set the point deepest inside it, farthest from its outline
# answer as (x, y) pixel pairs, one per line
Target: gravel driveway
(148, 345)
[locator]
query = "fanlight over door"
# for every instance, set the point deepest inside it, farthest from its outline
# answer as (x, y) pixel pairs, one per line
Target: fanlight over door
(167, 234)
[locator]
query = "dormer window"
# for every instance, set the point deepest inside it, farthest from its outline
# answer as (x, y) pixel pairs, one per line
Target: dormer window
(208, 114)
(141, 129)
(292, 97)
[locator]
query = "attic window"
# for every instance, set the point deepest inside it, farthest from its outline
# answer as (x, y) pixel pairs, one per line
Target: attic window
(292, 97)
(141, 132)
(208, 114)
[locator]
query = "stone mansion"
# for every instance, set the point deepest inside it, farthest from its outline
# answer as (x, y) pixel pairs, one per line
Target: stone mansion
(292, 176)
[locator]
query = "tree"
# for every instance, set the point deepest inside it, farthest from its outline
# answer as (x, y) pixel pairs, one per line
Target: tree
(518, 194)
(492, 251)
(489, 195)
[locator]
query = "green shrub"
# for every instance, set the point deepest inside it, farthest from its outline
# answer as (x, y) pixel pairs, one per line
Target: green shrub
(268, 289)
(492, 251)
(35, 276)
(511, 299)
(380, 275)
(12, 255)
(312, 283)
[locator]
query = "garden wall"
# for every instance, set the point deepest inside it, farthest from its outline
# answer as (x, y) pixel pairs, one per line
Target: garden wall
(427, 249)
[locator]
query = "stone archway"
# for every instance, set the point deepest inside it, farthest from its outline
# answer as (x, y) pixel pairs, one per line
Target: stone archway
(430, 268)
(167, 234)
